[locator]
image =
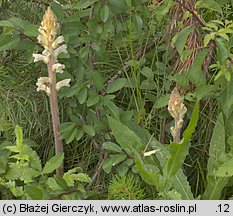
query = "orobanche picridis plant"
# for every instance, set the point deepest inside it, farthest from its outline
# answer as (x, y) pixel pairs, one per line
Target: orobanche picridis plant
(177, 110)
(52, 49)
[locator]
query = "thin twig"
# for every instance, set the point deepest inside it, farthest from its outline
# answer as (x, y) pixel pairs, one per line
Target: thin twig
(196, 17)
(63, 194)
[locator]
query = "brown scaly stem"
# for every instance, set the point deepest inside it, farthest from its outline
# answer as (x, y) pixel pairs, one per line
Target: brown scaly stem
(52, 48)
(55, 113)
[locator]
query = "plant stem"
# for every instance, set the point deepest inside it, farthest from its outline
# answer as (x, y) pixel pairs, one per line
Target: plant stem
(55, 113)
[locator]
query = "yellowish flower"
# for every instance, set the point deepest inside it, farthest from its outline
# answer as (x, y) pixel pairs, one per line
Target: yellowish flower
(177, 110)
(65, 82)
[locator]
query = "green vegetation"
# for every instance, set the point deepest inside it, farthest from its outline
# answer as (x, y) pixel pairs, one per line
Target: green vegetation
(147, 110)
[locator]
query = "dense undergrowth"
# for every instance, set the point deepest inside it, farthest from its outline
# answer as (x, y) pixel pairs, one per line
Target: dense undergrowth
(124, 59)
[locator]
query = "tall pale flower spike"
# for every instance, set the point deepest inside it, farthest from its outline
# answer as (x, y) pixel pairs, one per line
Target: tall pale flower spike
(53, 47)
(177, 110)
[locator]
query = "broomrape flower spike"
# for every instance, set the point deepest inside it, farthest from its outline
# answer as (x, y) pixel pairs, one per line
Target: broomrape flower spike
(177, 110)
(53, 47)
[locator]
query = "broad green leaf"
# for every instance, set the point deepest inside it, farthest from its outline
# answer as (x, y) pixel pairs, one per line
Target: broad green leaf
(147, 72)
(19, 135)
(82, 178)
(116, 85)
(139, 23)
(61, 182)
(215, 184)
(31, 31)
(6, 23)
(124, 136)
(82, 95)
(93, 99)
(223, 51)
(122, 169)
(148, 84)
(215, 187)
(82, 4)
(68, 131)
(181, 79)
(182, 186)
(34, 159)
(217, 145)
(118, 5)
(182, 38)
(7, 42)
(179, 151)
(162, 101)
(195, 73)
(204, 91)
(225, 170)
(57, 9)
(19, 24)
(208, 38)
(112, 147)
(33, 192)
(162, 9)
(149, 176)
(88, 129)
(104, 13)
(112, 161)
(53, 163)
(52, 184)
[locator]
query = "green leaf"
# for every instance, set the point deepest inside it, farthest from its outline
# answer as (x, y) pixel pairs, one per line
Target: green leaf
(57, 9)
(19, 135)
(112, 147)
(215, 184)
(31, 31)
(225, 170)
(68, 131)
(162, 101)
(195, 73)
(217, 145)
(6, 23)
(112, 161)
(93, 99)
(104, 13)
(149, 176)
(182, 38)
(118, 5)
(116, 85)
(139, 23)
(7, 42)
(82, 95)
(162, 9)
(211, 5)
(208, 38)
(181, 79)
(89, 130)
(179, 151)
(147, 72)
(182, 186)
(33, 192)
(82, 178)
(223, 51)
(53, 163)
(124, 136)
(82, 4)
(204, 91)
(215, 187)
